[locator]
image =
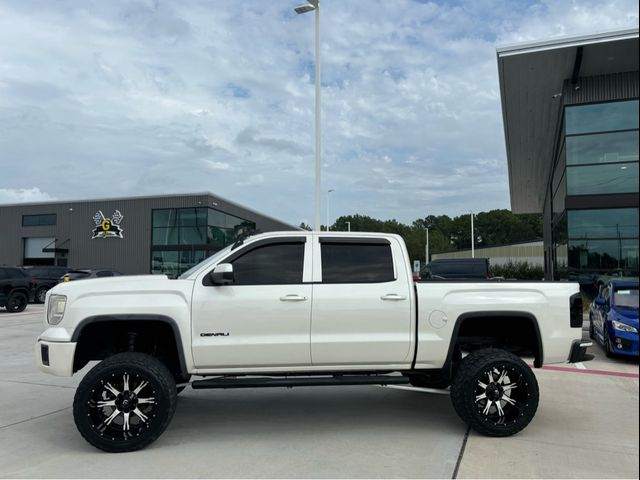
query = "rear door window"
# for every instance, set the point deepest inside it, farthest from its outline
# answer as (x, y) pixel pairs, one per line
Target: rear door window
(356, 262)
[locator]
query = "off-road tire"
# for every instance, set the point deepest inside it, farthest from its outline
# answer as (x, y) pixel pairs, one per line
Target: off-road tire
(466, 386)
(94, 387)
(17, 302)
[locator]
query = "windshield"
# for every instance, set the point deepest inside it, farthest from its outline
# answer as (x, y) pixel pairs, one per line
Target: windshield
(626, 297)
(198, 266)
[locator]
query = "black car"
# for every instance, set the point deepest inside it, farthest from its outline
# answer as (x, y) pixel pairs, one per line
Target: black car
(44, 278)
(15, 289)
(88, 273)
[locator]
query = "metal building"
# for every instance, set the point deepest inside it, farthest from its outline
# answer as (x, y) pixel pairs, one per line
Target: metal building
(133, 235)
(570, 112)
(530, 252)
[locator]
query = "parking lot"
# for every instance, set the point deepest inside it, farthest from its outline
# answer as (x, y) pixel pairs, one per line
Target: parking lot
(586, 426)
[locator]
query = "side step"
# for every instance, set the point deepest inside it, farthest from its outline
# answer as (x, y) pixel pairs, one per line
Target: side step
(261, 382)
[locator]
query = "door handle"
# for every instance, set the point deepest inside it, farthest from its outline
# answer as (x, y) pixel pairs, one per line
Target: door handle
(393, 296)
(292, 297)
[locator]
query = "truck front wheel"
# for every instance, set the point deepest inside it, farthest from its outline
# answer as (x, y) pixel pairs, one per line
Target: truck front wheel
(495, 392)
(125, 402)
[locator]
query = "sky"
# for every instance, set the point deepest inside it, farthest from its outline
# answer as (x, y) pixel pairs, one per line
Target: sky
(118, 98)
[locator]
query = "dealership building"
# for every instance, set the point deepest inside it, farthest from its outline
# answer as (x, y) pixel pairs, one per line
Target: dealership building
(570, 112)
(158, 234)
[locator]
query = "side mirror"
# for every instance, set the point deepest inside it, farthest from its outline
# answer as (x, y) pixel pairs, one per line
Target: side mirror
(600, 301)
(222, 274)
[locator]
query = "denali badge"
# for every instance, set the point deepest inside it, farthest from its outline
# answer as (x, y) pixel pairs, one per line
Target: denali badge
(214, 334)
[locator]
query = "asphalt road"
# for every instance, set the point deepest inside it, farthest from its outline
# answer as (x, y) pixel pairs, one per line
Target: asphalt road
(586, 427)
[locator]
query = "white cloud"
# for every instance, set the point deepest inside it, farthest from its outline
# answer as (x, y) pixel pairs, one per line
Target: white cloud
(219, 96)
(23, 195)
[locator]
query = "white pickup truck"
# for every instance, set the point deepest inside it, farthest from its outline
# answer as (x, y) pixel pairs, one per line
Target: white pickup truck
(303, 309)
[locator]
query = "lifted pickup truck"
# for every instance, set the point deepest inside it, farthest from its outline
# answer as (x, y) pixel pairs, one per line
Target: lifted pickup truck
(302, 309)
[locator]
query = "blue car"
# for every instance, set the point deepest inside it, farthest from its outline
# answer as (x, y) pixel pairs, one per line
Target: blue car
(613, 318)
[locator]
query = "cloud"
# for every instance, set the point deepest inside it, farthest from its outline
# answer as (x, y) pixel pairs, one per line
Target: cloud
(151, 97)
(23, 195)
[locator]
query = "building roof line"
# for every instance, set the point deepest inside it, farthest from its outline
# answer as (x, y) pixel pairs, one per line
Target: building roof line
(142, 197)
(565, 41)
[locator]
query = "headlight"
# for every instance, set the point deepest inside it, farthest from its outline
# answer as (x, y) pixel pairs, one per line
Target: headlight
(55, 309)
(623, 327)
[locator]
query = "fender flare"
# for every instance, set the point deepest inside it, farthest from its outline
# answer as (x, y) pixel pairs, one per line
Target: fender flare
(137, 317)
(491, 313)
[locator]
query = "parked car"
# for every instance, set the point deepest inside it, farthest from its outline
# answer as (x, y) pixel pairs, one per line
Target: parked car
(294, 309)
(86, 273)
(44, 278)
(617, 274)
(613, 318)
(16, 289)
(456, 269)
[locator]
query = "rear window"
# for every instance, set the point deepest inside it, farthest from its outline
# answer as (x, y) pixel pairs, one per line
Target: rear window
(356, 263)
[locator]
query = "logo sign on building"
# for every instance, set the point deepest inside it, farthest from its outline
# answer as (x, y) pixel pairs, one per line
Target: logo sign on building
(107, 227)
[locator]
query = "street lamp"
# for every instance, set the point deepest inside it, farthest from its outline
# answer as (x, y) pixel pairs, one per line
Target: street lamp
(328, 193)
(473, 240)
(348, 226)
(314, 5)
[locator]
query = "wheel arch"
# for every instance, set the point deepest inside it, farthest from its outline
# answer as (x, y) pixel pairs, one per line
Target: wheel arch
(497, 314)
(123, 320)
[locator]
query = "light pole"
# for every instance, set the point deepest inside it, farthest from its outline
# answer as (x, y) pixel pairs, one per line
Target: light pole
(473, 240)
(348, 226)
(328, 193)
(426, 249)
(314, 5)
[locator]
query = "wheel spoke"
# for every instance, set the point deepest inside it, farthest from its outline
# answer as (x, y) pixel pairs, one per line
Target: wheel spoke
(509, 400)
(511, 386)
(490, 375)
(143, 384)
(125, 424)
(125, 381)
(142, 416)
(146, 400)
(106, 403)
(111, 417)
(481, 396)
(483, 385)
(487, 407)
(112, 389)
(502, 375)
(499, 407)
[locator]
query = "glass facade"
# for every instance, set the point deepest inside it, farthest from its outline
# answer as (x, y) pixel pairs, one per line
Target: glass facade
(598, 157)
(183, 237)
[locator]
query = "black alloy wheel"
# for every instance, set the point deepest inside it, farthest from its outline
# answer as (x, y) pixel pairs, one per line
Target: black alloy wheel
(17, 302)
(495, 392)
(125, 402)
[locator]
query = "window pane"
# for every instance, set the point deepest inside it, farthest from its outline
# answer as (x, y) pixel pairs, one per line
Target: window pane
(193, 236)
(164, 218)
(30, 220)
(165, 262)
(165, 236)
(278, 264)
(611, 222)
(604, 255)
(603, 148)
(187, 217)
(216, 218)
(616, 178)
(356, 263)
(49, 219)
(601, 117)
(219, 237)
(201, 216)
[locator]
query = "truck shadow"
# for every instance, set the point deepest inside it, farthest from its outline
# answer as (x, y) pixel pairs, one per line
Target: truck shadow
(309, 411)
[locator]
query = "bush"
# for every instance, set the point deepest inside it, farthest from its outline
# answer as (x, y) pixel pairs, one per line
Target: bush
(517, 270)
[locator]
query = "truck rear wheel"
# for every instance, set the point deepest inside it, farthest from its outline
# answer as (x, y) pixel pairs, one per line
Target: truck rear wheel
(125, 402)
(495, 392)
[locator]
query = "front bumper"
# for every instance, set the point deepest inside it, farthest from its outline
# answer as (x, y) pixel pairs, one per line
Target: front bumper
(623, 343)
(55, 358)
(579, 351)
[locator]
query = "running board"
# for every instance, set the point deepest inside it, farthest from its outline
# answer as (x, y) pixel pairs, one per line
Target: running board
(261, 382)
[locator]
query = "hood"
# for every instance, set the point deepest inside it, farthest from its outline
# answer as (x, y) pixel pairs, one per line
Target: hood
(124, 283)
